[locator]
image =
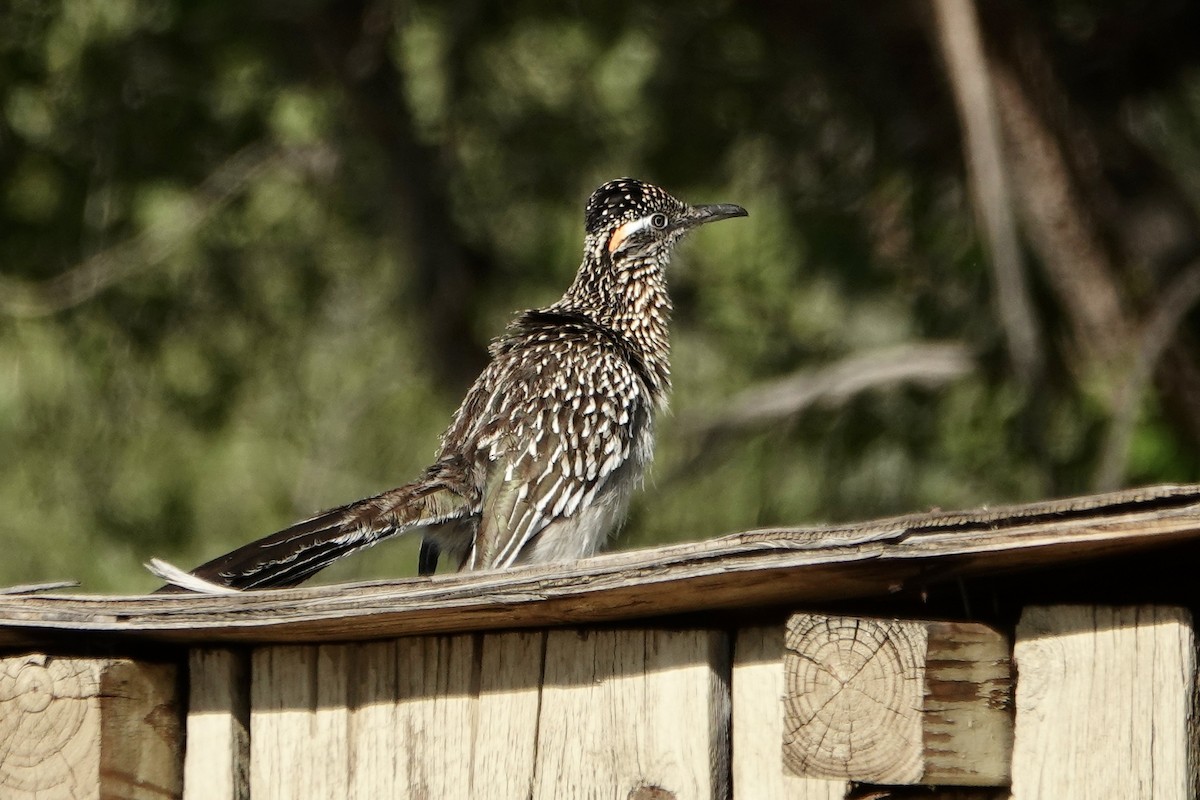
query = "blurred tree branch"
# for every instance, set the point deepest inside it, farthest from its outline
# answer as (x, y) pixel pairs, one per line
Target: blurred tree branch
(1060, 228)
(1156, 336)
(922, 364)
(1087, 194)
(79, 284)
(351, 41)
(957, 31)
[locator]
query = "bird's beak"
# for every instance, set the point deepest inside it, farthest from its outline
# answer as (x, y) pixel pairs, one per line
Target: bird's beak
(699, 215)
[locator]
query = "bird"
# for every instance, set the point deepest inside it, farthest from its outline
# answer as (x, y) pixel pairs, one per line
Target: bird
(542, 457)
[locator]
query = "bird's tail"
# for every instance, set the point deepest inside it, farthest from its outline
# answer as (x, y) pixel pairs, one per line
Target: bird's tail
(296, 553)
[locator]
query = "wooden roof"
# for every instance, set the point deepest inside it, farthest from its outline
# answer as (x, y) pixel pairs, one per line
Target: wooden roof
(760, 568)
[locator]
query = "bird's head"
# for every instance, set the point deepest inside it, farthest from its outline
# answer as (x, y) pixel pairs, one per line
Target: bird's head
(628, 219)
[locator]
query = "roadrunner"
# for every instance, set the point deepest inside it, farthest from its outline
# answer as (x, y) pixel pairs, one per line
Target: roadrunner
(542, 456)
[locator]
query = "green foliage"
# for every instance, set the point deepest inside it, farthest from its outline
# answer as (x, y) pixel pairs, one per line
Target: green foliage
(231, 234)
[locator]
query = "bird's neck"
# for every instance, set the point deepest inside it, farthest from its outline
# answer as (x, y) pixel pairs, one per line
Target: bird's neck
(631, 299)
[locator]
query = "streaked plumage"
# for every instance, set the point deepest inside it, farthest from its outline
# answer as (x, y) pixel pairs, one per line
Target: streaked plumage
(541, 458)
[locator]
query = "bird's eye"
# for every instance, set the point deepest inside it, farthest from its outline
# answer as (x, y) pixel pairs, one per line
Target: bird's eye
(659, 221)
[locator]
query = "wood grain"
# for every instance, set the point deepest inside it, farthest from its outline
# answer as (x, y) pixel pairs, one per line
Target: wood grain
(141, 730)
(967, 723)
(514, 715)
(1106, 705)
(88, 728)
(505, 739)
(436, 716)
(217, 760)
(744, 570)
(641, 713)
(377, 746)
(852, 699)
(892, 701)
(758, 772)
(49, 726)
(283, 702)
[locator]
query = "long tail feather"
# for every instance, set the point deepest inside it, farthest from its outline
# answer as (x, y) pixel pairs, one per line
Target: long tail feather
(295, 553)
(181, 579)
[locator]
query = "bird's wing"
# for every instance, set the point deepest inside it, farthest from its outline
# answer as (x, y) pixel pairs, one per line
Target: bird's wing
(552, 444)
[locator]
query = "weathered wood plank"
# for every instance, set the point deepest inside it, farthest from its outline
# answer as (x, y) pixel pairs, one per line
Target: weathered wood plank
(89, 728)
(377, 743)
(739, 571)
(217, 759)
(758, 772)
(632, 714)
(331, 724)
(931, 793)
(467, 716)
(283, 700)
(141, 730)
(300, 715)
(407, 708)
(381, 720)
(967, 722)
(435, 715)
(506, 734)
(1105, 703)
(896, 701)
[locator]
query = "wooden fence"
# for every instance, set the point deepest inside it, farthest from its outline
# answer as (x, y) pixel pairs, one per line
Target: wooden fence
(1040, 651)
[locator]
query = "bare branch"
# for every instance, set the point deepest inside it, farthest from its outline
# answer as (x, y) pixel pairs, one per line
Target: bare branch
(81, 283)
(922, 364)
(1061, 228)
(1155, 337)
(957, 28)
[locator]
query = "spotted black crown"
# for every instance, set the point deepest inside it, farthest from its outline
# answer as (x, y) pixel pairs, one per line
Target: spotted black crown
(623, 200)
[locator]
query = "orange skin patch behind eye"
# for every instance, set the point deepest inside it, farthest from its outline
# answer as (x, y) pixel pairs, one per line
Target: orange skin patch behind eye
(622, 233)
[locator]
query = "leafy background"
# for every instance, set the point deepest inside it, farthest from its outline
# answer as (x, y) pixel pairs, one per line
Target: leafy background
(251, 255)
